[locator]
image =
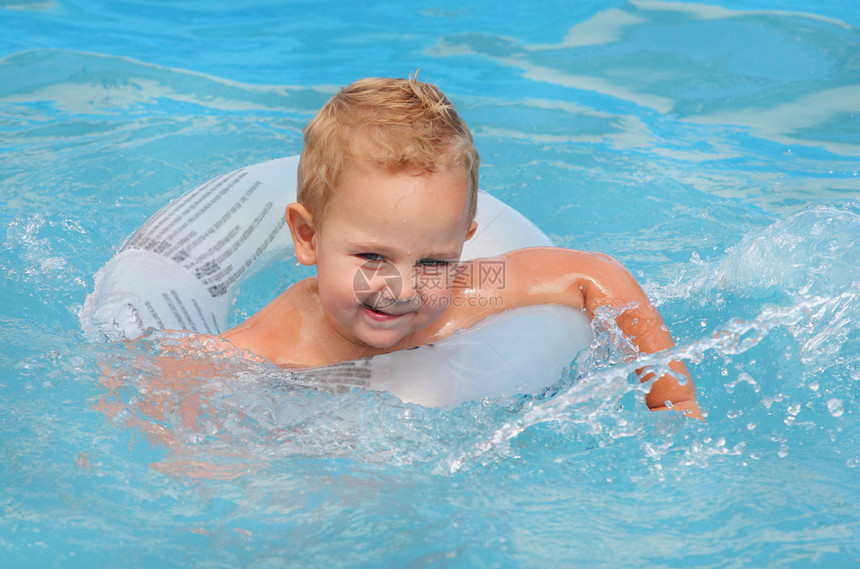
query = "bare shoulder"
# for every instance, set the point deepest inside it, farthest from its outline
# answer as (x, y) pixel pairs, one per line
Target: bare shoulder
(274, 327)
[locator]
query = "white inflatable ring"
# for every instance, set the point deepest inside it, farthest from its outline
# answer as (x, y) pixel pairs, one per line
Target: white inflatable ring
(180, 270)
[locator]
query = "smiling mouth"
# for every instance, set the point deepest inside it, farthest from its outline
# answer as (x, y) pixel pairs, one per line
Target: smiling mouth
(375, 310)
(380, 313)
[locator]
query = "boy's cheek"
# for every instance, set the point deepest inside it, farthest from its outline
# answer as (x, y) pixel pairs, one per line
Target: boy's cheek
(433, 300)
(435, 280)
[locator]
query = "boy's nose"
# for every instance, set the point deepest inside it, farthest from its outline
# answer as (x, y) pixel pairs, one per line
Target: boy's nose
(392, 287)
(406, 292)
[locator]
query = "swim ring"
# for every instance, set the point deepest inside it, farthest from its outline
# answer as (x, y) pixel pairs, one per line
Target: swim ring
(180, 270)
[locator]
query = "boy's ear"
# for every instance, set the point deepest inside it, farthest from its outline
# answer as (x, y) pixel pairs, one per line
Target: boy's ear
(472, 229)
(301, 222)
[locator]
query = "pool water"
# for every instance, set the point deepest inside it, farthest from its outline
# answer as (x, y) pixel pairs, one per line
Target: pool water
(714, 149)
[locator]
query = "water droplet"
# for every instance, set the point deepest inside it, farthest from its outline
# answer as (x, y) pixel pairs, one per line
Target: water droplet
(835, 407)
(813, 386)
(783, 451)
(793, 410)
(745, 378)
(851, 462)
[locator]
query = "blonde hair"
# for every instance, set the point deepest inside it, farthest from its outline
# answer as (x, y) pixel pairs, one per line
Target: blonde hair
(394, 124)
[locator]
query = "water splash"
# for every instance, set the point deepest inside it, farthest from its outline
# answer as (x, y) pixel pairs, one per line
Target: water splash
(22, 236)
(593, 402)
(813, 252)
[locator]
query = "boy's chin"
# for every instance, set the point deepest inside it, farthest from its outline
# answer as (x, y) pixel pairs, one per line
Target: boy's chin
(379, 341)
(380, 344)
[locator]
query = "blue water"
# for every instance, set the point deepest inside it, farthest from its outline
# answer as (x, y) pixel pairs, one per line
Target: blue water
(713, 149)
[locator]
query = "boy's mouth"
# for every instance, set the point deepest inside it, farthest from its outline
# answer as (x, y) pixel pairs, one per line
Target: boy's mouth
(378, 314)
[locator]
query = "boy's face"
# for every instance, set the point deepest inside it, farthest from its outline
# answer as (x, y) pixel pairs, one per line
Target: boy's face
(386, 250)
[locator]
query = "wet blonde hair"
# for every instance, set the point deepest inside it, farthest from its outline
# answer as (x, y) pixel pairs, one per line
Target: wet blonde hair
(399, 125)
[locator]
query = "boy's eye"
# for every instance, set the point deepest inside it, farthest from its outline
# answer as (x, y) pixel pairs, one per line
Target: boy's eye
(374, 257)
(433, 263)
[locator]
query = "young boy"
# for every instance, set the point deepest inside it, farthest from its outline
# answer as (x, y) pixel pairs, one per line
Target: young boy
(387, 186)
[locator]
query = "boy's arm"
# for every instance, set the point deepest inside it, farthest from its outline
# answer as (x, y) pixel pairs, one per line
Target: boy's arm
(588, 281)
(173, 380)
